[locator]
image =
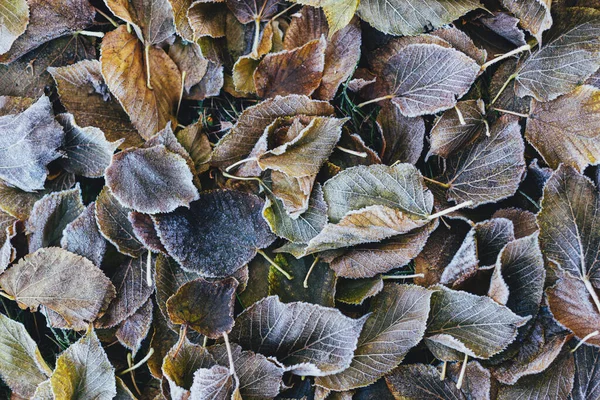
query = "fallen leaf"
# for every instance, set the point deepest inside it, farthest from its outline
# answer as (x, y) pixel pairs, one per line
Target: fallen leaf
(30, 140)
(206, 307)
(585, 385)
(47, 21)
(328, 338)
(356, 291)
(240, 234)
(84, 370)
(143, 228)
(418, 381)
(94, 106)
(397, 324)
(534, 15)
(133, 330)
(571, 119)
(247, 11)
(81, 236)
(215, 382)
(297, 71)
(15, 18)
(152, 20)
(125, 69)
(207, 18)
(402, 137)
(152, 180)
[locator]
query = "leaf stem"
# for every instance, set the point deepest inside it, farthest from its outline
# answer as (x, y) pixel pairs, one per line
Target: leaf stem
(463, 369)
(274, 264)
(205, 341)
(109, 19)
(132, 372)
(235, 164)
(504, 86)
(128, 27)
(147, 55)
(182, 337)
(443, 373)
(255, 43)
(411, 276)
(241, 178)
(511, 53)
(149, 269)
(310, 270)
(592, 292)
(140, 363)
(8, 296)
(183, 74)
(229, 354)
(487, 127)
(90, 33)
(361, 154)
(441, 184)
(451, 209)
(461, 119)
(585, 339)
(510, 112)
(389, 96)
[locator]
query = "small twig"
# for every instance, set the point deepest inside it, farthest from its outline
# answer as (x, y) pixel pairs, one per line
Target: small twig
(388, 277)
(182, 337)
(90, 33)
(305, 283)
(274, 264)
(149, 269)
(506, 55)
(183, 74)
(256, 41)
(242, 178)
(441, 184)
(461, 377)
(451, 209)
(510, 112)
(487, 127)
(504, 86)
(140, 363)
(585, 339)
(389, 96)
(361, 154)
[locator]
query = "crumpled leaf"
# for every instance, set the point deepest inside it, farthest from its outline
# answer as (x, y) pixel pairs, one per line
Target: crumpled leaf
(124, 69)
(56, 53)
(14, 15)
(571, 54)
(585, 385)
(574, 121)
(47, 21)
(570, 241)
(306, 226)
(84, 94)
(132, 291)
(403, 137)
(298, 71)
(321, 284)
(259, 378)
(63, 282)
(196, 143)
(113, 223)
(51, 215)
(491, 168)
(179, 366)
(28, 142)
(449, 134)
(555, 382)
(425, 78)
(534, 15)
(231, 218)
(152, 20)
(397, 324)
(135, 328)
(308, 339)
(152, 180)
(83, 371)
(409, 17)
(87, 152)
(251, 124)
(470, 324)
(81, 236)
(206, 307)
(20, 357)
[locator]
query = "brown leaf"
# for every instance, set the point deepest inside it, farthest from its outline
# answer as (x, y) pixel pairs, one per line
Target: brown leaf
(534, 15)
(572, 120)
(180, 14)
(189, 59)
(207, 18)
(84, 94)
(206, 307)
(124, 66)
(168, 279)
(143, 228)
(524, 222)
(50, 20)
(402, 137)
(461, 41)
(247, 11)
(135, 328)
(179, 366)
(63, 282)
(196, 143)
(15, 18)
(152, 20)
(297, 71)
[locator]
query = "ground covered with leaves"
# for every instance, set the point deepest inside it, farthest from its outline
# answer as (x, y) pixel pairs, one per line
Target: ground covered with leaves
(316, 199)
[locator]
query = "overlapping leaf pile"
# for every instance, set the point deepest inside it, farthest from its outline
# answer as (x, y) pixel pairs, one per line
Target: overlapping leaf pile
(258, 199)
